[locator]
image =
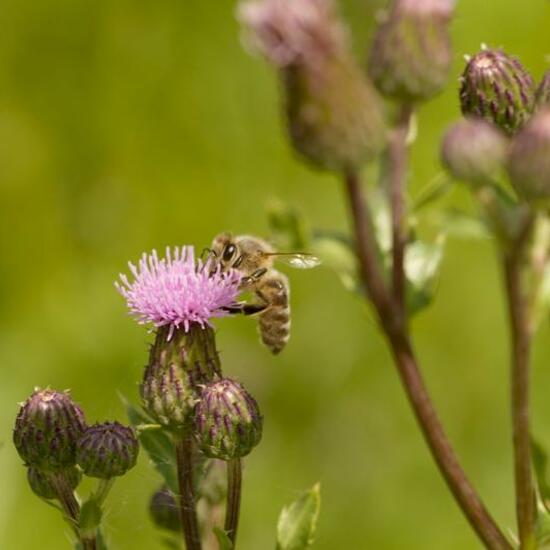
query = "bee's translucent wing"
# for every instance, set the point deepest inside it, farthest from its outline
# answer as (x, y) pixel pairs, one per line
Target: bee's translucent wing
(298, 260)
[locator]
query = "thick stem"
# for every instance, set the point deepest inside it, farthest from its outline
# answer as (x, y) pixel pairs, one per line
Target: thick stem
(518, 307)
(405, 361)
(185, 460)
(397, 157)
(234, 482)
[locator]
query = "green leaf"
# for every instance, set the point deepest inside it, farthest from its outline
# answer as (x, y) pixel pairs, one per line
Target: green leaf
(422, 265)
(462, 225)
(336, 252)
(298, 522)
(156, 442)
(223, 539)
(433, 191)
(288, 227)
(540, 463)
(90, 518)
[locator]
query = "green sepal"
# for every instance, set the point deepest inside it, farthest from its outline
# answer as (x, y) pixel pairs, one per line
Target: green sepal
(298, 522)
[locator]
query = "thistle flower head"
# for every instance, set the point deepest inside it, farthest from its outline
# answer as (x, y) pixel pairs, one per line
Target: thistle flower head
(543, 91)
(497, 87)
(411, 54)
(529, 160)
(177, 290)
(228, 423)
(164, 510)
(107, 450)
(289, 32)
(46, 430)
(474, 151)
(41, 485)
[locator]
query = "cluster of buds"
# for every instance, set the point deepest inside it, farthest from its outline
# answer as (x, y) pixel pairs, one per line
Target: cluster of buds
(57, 446)
(506, 130)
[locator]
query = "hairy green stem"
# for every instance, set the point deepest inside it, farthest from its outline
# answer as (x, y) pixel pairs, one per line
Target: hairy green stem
(520, 329)
(397, 158)
(185, 461)
(399, 340)
(234, 483)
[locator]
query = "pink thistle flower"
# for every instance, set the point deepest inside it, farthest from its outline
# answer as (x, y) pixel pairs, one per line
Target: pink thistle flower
(177, 290)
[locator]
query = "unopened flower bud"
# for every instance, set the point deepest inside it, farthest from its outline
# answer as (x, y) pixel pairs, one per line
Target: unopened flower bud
(543, 91)
(496, 86)
(474, 151)
(41, 485)
(107, 450)
(411, 54)
(46, 430)
(164, 510)
(228, 421)
(176, 369)
(529, 162)
(335, 117)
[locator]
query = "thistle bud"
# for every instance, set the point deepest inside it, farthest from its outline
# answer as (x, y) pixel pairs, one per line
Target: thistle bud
(411, 55)
(176, 369)
(335, 118)
(496, 86)
(543, 91)
(474, 151)
(529, 161)
(41, 485)
(164, 510)
(228, 421)
(107, 450)
(46, 430)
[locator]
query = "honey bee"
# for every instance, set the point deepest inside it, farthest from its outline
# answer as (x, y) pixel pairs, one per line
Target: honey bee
(254, 259)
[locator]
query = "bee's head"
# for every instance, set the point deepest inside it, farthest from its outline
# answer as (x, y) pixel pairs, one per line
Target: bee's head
(225, 250)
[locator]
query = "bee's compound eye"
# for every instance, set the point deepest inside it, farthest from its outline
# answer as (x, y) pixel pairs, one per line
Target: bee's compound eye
(228, 252)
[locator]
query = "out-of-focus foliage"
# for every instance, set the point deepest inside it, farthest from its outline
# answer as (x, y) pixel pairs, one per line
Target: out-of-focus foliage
(126, 126)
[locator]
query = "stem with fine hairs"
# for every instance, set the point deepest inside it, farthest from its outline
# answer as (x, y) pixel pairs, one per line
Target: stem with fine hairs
(520, 329)
(397, 158)
(185, 462)
(234, 483)
(395, 329)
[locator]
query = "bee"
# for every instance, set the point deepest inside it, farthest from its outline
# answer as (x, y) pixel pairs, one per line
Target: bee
(254, 258)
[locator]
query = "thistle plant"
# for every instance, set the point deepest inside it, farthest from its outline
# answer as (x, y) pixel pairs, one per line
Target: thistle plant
(343, 115)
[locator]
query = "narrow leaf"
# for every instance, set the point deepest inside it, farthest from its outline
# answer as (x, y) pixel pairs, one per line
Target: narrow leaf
(223, 539)
(156, 442)
(90, 518)
(298, 522)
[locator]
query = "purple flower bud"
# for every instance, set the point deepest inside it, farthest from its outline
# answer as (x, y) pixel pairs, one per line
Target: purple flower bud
(46, 430)
(529, 162)
(42, 486)
(543, 91)
(411, 54)
(474, 151)
(335, 117)
(496, 87)
(164, 510)
(228, 423)
(176, 369)
(107, 450)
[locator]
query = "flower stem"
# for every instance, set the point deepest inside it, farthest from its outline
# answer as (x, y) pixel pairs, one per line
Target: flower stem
(518, 307)
(70, 506)
(397, 157)
(185, 461)
(399, 340)
(234, 483)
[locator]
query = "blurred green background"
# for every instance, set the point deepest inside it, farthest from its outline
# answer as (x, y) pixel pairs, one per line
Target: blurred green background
(127, 125)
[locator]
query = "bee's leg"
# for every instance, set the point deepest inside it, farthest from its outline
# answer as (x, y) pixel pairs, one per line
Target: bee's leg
(254, 277)
(209, 253)
(246, 309)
